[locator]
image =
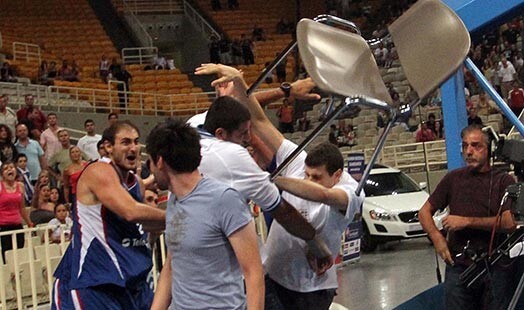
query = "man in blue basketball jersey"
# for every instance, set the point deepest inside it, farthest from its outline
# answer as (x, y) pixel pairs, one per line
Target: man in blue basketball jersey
(109, 259)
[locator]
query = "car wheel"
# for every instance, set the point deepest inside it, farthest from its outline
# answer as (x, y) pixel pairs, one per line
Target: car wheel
(368, 243)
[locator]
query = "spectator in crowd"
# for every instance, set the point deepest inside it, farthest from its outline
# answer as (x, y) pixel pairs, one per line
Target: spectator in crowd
(32, 114)
(214, 50)
(247, 50)
(72, 173)
(60, 223)
(52, 73)
(284, 26)
(113, 187)
(473, 118)
(33, 151)
(236, 52)
(507, 75)
(204, 211)
(8, 150)
(439, 130)
(101, 148)
(49, 137)
(7, 115)
(114, 64)
(112, 118)
(303, 122)
(66, 73)
(61, 159)
(55, 196)
(103, 68)
(333, 134)
(43, 73)
(160, 62)
(43, 208)
(258, 33)
(7, 74)
(484, 104)
(24, 176)
(225, 50)
(75, 71)
(382, 119)
(87, 143)
(121, 74)
(285, 117)
(424, 134)
(281, 70)
(516, 99)
(430, 123)
(12, 207)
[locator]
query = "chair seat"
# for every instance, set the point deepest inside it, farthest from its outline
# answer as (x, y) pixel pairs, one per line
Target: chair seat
(339, 62)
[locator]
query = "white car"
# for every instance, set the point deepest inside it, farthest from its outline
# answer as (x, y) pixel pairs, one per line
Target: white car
(390, 210)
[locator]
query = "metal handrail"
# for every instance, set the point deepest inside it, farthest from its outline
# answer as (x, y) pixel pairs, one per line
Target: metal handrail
(137, 25)
(145, 55)
(17, 53)
(199, 21)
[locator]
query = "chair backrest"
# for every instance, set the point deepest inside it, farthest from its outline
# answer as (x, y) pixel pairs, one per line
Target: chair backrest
(432, 42)
(339, 62)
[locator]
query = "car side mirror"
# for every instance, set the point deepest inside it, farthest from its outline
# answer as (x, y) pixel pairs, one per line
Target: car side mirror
(423, 185)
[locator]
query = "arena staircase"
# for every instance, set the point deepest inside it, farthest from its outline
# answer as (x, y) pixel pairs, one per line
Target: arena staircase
(116, 30)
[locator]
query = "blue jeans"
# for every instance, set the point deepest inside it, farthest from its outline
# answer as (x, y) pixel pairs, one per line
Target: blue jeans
(495, 291)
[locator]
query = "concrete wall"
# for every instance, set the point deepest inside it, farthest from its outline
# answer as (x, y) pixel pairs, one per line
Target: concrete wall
(434, 178)
(177, 38)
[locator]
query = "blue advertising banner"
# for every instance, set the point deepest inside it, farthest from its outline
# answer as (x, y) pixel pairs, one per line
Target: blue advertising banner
(350, 249)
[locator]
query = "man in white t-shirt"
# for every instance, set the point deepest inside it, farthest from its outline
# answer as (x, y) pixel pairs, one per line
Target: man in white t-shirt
(330, 206)
(88, 143)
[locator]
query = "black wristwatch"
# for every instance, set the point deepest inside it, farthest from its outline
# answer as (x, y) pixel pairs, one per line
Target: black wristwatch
(286, 88)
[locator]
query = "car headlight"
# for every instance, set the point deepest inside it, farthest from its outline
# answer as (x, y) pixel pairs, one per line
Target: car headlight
(381, 215)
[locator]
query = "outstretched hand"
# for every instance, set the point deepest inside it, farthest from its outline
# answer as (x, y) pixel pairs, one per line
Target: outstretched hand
(319, 256)
(225, 73)
(301, 89)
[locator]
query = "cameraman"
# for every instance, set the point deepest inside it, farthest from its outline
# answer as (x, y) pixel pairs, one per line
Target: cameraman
(473, 195)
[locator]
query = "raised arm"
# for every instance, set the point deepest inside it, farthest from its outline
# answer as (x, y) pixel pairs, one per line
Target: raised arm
(262, 126)
(334, 197)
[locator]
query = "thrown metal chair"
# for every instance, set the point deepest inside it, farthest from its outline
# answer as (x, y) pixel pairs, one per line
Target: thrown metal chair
(431, 41)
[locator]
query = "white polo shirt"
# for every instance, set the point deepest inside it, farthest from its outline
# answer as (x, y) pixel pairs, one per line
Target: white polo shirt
(231, 164)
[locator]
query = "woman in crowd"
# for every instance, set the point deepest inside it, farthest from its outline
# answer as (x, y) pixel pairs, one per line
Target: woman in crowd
(72, 173)
(43, 208)
(439, 130)
(12, 208)
(7, 148)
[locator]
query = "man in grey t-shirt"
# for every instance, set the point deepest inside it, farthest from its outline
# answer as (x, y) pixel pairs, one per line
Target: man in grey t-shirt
(210, 233)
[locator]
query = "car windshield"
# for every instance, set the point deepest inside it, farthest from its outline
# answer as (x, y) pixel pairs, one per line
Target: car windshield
(389, 184)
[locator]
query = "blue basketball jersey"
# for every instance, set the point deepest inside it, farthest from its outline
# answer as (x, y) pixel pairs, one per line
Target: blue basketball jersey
(105, 249)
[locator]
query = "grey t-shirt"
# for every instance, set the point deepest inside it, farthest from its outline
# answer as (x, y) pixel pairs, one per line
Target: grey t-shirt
(205, 270)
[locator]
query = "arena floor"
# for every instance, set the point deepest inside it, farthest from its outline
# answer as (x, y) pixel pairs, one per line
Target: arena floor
(391, 275)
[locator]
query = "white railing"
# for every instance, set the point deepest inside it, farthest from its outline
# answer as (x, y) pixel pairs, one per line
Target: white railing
(154, 6)
(136, 25)
(26, 52)
(139, 55)
(27, 273)
(198, 21)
